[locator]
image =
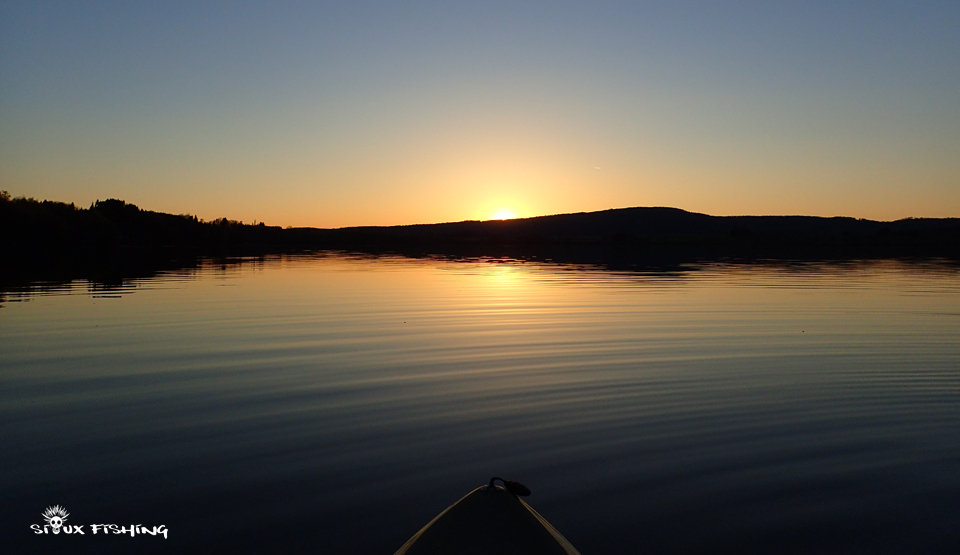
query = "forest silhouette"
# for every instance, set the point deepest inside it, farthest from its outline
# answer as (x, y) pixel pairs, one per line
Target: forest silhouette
(54, 240)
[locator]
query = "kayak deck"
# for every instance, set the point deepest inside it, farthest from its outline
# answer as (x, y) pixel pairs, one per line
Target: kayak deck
(491, 520)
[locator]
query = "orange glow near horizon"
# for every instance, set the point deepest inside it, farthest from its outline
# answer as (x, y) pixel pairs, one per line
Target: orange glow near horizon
(377, 117)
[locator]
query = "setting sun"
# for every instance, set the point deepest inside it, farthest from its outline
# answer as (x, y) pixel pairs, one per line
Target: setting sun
(504, 214)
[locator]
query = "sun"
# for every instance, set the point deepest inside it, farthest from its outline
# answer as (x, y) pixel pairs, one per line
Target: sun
(504, 214)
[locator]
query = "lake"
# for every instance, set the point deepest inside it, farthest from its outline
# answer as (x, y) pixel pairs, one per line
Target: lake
(335, 403)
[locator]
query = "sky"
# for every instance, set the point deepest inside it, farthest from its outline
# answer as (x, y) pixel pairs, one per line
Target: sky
(380, 113)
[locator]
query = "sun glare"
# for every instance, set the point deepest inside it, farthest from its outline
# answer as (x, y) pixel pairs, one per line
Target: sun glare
(504, 214)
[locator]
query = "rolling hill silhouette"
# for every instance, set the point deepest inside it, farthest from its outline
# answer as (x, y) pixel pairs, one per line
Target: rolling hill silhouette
(661, 229)
(43, 238)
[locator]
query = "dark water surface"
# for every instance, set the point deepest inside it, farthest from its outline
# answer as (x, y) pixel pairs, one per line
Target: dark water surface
(335, 404)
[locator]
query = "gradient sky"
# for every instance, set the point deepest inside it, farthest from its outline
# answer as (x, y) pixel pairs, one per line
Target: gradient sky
(378, 113)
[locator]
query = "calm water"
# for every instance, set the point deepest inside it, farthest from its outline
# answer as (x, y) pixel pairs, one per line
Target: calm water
(332, 404)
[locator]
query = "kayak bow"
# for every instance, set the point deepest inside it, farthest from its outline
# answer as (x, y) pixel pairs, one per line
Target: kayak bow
(489, 520)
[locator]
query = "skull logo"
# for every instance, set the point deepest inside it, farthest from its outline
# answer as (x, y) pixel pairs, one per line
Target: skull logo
(55, 516)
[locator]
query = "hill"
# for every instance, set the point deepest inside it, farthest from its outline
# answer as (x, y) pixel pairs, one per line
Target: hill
(40, 237)
(659, 230)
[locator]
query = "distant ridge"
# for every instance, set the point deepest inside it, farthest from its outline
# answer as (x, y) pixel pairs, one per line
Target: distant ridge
(39, 230)
(663, 228)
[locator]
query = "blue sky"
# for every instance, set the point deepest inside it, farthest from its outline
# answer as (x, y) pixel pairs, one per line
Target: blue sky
(333, 114)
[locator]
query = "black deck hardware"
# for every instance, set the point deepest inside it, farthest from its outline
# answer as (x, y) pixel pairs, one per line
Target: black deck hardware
(515, 488)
